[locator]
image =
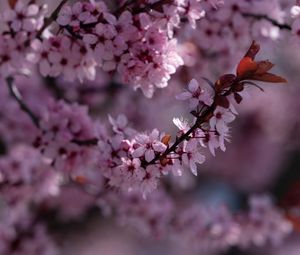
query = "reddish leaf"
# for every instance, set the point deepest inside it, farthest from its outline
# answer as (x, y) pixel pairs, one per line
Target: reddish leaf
(80, 179)
(253, 50)
(268, 77)
(222, 101)
(238, 98)
(263, 66)
(295, 220)
(164, 161)
(166, 139)
(246, 67)
(238, 87)
(292, 196)
(12, 3)
(225, 81)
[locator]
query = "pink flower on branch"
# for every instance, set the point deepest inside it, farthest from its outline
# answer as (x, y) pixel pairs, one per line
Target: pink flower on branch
(148, 145)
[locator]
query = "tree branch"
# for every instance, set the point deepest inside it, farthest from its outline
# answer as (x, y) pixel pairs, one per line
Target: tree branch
(90, 142)
(52, 17)
(14, 92)
(265, 17)
(184, 137)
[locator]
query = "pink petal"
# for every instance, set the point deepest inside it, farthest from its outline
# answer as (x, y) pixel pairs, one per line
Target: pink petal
(44, 68)
(32, 10)
(139, 152)
(159, 147)
(149, 155)
(193, 85)
(184, 96)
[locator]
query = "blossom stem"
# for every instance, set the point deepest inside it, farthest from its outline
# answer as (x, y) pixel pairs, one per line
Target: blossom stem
(14, 92)
(52, 17)
(200, 120)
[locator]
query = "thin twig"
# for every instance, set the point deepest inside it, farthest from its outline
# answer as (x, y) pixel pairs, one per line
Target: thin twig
(52, 17)
(90, 142)
(14, 92)
(184, 137)
(265, 17)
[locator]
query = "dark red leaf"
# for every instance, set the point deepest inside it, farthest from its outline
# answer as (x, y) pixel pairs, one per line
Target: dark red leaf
(238, 98)
(12, 3)
(222, 101)
(225, 81)
(268, 77)
(253, 50)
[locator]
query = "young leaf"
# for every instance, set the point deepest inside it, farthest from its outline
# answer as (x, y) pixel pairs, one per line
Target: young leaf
(246, 67)
(253, 50)
(268, 77)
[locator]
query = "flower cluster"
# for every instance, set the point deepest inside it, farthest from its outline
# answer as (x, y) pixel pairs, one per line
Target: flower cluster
(124, 155)
(201, 227)
(134, 161)
(26, 182)
(63, 127)
(61, 55)
(220, 228)
(136, 46)
(20, 26)
(226, 31)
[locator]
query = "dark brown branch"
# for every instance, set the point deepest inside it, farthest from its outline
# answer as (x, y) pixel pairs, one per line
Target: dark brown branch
(90, 142)
(57, 91)
(52, 17)
(184, 137)
(14, 92)
(133, 6)
(265, 17)
(124, 7)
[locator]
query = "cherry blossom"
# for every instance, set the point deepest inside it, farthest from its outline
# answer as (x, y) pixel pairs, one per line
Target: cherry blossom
(63, 127)
(148, 145)
(191, 156)
(197, 95)
(221, 118)
(25, 16)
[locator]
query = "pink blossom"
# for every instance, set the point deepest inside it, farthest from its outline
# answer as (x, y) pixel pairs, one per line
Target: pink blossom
(128, 175)
(221, 118)
(194, 11)
(213, 141)
(150, 180)
(182, 125)
(24, 16)
(148, 146)
(266, 221)
(120, 125)
(191, 156)
(62, 125)
(70, 15)
(197, 95)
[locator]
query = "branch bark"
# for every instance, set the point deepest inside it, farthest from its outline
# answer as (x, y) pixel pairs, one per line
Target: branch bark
(265, 17)
(14, 92)
(52, 17)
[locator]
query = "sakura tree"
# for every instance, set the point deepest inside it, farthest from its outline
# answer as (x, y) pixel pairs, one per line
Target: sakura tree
(121, 111)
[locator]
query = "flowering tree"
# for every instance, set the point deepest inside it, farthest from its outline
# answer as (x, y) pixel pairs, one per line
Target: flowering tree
(87, 88)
